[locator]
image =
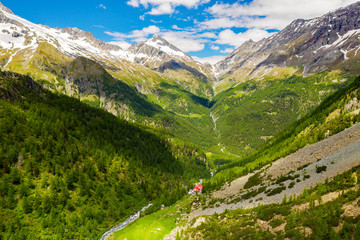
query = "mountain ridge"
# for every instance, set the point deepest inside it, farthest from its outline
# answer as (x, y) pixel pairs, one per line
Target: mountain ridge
(309, 46)
(165, 76)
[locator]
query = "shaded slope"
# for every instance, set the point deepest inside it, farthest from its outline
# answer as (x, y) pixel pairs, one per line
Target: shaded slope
(72, 171)
(90, 82)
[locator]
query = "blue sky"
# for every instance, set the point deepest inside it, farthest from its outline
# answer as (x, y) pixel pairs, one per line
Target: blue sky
(208, 29)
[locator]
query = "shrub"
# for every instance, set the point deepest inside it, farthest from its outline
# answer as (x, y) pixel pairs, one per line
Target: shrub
(320, 169)
(306, 176)
(291, 185)
(276, 222)
(276, 191)
(253, 181)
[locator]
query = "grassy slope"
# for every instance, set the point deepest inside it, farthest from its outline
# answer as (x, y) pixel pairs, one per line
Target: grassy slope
(156, 225)
(248, 114)
(334, 114)
(252, 112)
(65, 165)
(183, 116)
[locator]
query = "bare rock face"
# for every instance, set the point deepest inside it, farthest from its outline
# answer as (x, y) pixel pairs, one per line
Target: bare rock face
(5, 19)
(5, 8)
(76, 34)
(317, 45)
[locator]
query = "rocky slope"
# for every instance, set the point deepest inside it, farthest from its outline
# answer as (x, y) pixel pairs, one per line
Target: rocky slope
(308, 46)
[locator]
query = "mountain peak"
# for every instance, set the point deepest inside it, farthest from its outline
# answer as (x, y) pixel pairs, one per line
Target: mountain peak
(2, 7)
(163, 45)
(156, 36)
(159, 40)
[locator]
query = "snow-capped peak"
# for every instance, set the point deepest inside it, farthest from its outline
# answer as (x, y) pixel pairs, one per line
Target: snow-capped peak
(2, 7)
(160, 43)
(18, 33)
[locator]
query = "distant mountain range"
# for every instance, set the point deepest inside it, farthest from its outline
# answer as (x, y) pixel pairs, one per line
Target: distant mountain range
(309, 46)
(231, 107)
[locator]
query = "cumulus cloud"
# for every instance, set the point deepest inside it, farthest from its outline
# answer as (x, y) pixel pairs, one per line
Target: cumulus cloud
(186, 41)
(222, 22)
(211, 60)
(175, 27)
(227, 50)
(236, 39)
(123, 44)
(160, 7)
(220, 27)
(265, 14)
(136, 35)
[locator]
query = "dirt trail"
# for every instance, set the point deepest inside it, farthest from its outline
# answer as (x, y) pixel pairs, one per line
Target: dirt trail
(339, 153)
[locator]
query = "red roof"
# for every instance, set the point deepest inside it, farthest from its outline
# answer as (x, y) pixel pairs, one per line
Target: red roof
(197, 188)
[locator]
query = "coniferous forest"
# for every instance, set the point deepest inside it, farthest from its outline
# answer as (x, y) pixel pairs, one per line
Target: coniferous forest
(71, 171)
(173, 119)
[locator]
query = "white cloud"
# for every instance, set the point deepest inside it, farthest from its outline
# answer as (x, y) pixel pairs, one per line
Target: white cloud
(154, 21)
(134, 3)
(123, 44)
(175, 27)
(186, 41)
(207, 35)
(211, 60)
(222, 22)
(229, 37)
(102, 6)
(267, 14)
(136, 35)
(142, 17)
(227, 50)
(213, 47)
(160, 7)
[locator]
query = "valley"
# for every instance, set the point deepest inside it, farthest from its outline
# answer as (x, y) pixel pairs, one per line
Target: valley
(91, 132)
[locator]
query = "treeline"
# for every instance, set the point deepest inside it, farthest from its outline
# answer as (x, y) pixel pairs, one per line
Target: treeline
(69, 171)
(312, 128)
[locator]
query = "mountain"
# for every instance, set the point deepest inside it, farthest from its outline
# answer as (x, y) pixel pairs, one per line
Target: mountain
(260, 89)
(20, 39)
(19, 35)
(301, 185)
(304, 47)
(73, 62)
(155, 51)
(71, 171)
(158, 54)
(264, 86)
(338, 111)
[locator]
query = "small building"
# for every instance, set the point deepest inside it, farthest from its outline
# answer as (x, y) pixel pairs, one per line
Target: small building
(196, 189)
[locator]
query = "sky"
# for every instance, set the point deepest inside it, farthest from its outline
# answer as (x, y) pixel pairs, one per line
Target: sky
(208, 30)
